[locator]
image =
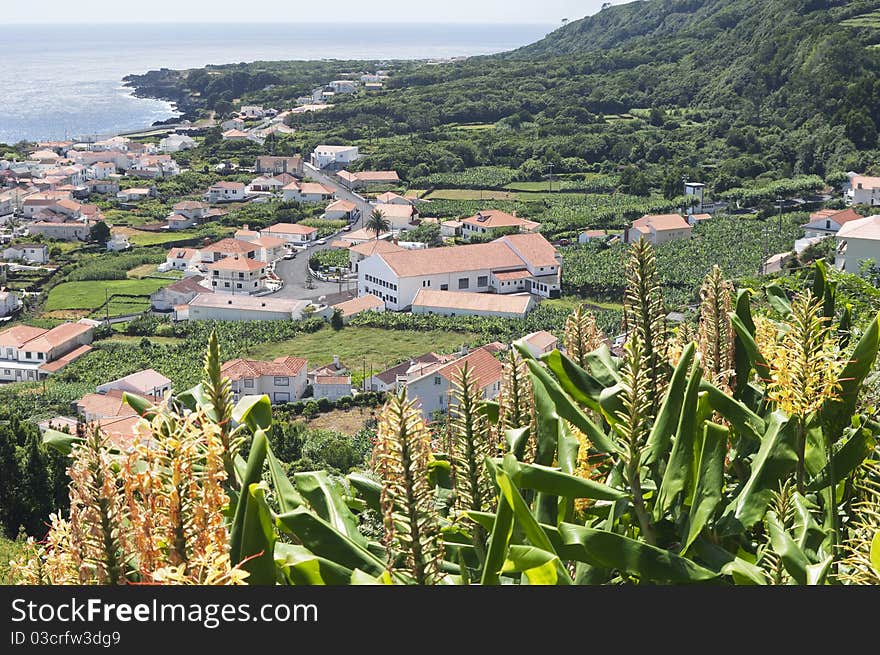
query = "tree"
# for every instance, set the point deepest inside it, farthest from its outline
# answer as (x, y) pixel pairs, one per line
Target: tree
(99, 233)
(377, 222)
(336, 319)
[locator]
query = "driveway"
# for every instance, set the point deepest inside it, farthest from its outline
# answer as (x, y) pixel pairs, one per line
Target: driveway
(293, 271)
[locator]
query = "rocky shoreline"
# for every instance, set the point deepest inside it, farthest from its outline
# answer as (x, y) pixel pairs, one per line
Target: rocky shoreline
(165, 84)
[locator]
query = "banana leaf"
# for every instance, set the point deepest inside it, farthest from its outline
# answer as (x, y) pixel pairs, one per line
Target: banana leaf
(614, 551)
(552, 481)
(574, 380)
(368, 489)
(710, 481)
(745, 341)
(793, 558)
(836, 412)
(253, 411)
(746, 423)
(558, 404)
(258, 537)
(303, 567)
(775, 459)
(324, 498)
(61, 442)
(677, 476)
(539, 566)
(517, 439)
(325, 541)
(253, 473)
(743, 572)
(501, 530)
(743, 363)
(846, 460)
(670, 411)
(285, 493)
(777, 299)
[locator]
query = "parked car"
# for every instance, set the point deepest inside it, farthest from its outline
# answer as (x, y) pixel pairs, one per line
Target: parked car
(321, 242)
(290, 255)
(347, 228)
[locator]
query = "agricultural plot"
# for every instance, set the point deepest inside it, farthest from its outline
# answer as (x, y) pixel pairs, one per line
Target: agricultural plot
(470, 194)
(355, 345)
(93, 294)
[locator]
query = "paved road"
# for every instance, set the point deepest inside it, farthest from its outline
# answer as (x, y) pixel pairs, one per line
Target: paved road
(293, 271)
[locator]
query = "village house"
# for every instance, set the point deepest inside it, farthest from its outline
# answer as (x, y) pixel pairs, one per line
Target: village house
(268, 164)
(292, 233)
(351, 308)
(234, 123)
(94, 407)
(433, 389)
(181, 259)
(491, 222)
(334, 156)
(340, 210)
(359, 252)
(656, 229)
(307, 192)
(178, 293)
(264, 184)
(283, 379)
(391, 380)
(589, 235)
(9, 303)
(391, 198)
(538, 343)
(363, 179)
(237, 275)
(271, 248)
(30, 353)
(117, 242)
(343, 86)
(154, 166)
(863, 190)
(252, 111)
(858, 241)
(110, 186)
(32, 253)
(331, 387)
(214, 252)
(75, 230)
(450, 229)
(827, 222)
(237, 135)
(456, 303)
(399, 217)
(136, 194)
(191, 208)
(147, 383)
(176, 143)
(224, 307)
(101, 170)
(511, 264)
(225, 192)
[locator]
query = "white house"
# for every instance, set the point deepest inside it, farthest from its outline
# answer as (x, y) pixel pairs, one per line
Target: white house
(265, 184)
(351, 308)
(9, 303)
(29, 353)
(225, 307)
(343, 86)
(332, 387)
(283, 379)
(588, 235)
(275, 165)
(399, 217)
(363, 179)
(433, 389)
(101, 170)
(393, 378)
(538, 343)
(457, 303)
(511, 264)
(489, 222)
(62, 231)
(135, 194)
(359, 252)
(178, 293)
(340, 210)
(33, 253)
(233, 124)
(191, 208)
(863, 190)
(291, 232)
(252, 111)
(148, 382)
(117, 242)
(858, 241)
(182, 258)
(176, 143)
(658, 229)
(306, 192)
(334, 156)
(237, 275)
(827, 222)
(225, 192)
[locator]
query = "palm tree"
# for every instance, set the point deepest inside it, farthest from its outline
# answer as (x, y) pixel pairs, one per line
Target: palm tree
(377, 222)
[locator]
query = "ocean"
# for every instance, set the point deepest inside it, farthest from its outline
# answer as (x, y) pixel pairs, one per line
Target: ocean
(65, 81)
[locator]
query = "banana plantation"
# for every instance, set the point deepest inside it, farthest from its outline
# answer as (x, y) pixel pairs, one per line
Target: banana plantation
(740, 450)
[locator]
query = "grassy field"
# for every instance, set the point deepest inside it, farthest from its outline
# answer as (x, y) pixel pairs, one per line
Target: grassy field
(125, 338)
(93, 294)
(572, 302)
(9, 550)
(871, 19)
(470, 194)
(379, 348)
(141, 238)
(149, 270)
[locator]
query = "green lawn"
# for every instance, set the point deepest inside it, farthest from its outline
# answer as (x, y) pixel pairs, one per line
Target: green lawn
(572, 302)
(149, 270)
(93, 293)
(475, 126)
(381, 348)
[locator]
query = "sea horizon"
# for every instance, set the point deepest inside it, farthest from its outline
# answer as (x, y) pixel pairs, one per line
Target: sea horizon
(71, 84)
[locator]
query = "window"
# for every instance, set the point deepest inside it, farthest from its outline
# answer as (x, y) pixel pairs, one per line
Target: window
(282, 397)
(464, 283)
(238, 286)
(282, 382)
(436, 379)
(444, 287)
(226, 284)
(827, 225)
(483, 281)
(248, 383)
(27, 355)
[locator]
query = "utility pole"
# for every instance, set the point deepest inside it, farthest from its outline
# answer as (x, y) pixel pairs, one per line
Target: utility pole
(550, 177)
(779, 200)
(107, 304)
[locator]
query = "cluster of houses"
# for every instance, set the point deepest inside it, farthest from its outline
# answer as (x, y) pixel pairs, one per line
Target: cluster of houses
(322, 96)
(30, 353)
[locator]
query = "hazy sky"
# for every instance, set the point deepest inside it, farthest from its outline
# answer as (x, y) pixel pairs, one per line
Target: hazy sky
(126, 11)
